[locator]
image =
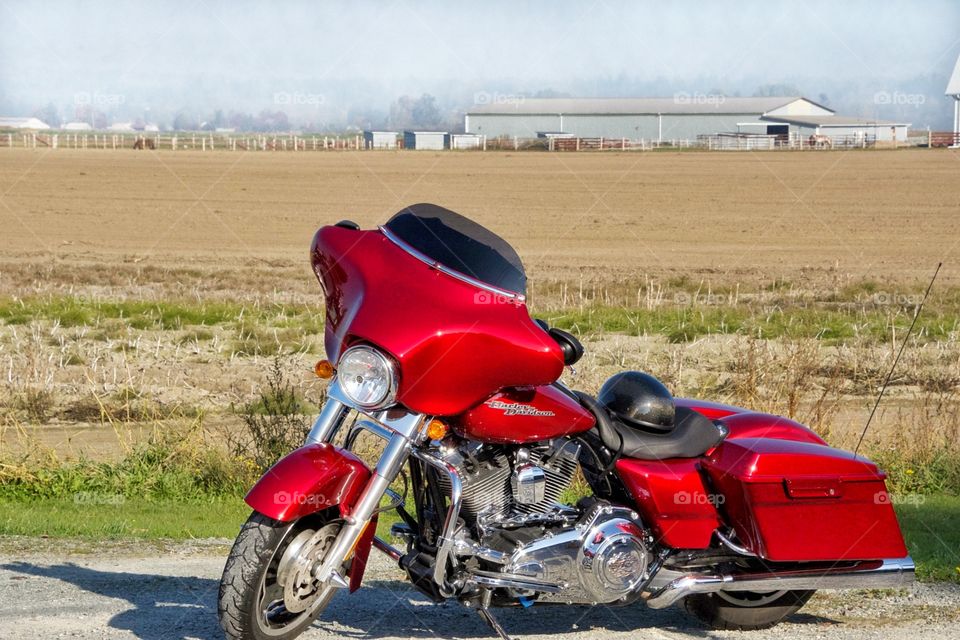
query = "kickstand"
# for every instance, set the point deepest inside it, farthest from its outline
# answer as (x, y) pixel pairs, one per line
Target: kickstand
(490, 620)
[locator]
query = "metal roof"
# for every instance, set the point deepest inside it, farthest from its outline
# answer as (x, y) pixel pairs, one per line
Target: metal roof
(953, 86)
(682, 103)
(834, 121)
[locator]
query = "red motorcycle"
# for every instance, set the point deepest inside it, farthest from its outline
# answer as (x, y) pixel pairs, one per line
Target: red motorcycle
(739, 515)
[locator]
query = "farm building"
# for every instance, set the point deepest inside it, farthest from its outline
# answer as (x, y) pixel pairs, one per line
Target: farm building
(953, 90)
(22, 123)
(431, 140)
(683, 117)
(464, 141)
(380, 139)
(834, 126)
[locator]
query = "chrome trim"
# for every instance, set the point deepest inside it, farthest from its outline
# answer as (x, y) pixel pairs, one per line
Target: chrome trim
(513, 295)
(405, 428)
(872, 574)
(388, 400)
(331, 417)
(448, 536)
(387, 548)
(513, 581)
(733, 546)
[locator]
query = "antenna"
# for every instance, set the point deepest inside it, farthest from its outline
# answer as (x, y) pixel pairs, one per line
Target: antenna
(903, 346)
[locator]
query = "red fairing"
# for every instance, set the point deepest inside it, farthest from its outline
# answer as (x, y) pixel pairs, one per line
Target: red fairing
(797, 502)
(671, 497)
(765, 425)
(307, 480)
(517, 416)
(712, 410)
(455, 344)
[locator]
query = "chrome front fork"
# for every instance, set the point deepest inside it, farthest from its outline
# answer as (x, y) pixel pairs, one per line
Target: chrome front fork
(402, 430)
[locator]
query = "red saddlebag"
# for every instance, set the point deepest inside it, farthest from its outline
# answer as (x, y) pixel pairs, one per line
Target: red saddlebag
(799, 501)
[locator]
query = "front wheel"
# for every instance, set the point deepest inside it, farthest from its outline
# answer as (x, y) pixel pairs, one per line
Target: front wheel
(267, 590)
(745, 610)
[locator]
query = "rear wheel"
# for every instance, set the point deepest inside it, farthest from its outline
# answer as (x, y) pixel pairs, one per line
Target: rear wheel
(745, 610)
(268, 590)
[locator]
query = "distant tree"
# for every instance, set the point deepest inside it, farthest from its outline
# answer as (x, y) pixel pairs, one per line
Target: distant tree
(48, 114)
(218, 119)
(184, 121)
(425, 112)
(776, 91)
(272, 121)
(401, 113)
(99, 120)
(823, 99)
(240, 121)
(420, 113)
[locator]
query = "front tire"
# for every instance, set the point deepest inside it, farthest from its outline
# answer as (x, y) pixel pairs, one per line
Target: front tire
(745, 610)
(251, 601)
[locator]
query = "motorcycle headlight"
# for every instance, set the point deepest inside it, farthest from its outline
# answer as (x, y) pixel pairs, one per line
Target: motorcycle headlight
(367, 377)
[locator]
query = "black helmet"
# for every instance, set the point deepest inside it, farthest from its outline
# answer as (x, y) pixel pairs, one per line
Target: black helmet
(638, 399)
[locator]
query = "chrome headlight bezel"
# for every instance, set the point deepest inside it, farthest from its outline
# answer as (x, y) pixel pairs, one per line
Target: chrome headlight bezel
(389, 396)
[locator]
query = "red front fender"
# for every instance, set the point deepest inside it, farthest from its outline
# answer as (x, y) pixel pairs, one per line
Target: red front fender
(308, 480)
(311, 479)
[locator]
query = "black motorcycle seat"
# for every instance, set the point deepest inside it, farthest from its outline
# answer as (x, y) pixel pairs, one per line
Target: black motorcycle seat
(693, 434)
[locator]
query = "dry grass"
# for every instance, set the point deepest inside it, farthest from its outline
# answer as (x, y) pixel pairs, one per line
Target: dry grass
(136, 287)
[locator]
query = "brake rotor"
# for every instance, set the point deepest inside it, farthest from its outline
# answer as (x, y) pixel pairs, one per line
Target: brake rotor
(295, 570)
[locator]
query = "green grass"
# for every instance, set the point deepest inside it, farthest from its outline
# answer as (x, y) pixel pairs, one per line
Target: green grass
(687, 323)
(108, 517)
(270, 329)
(95, 516)
(931, 528)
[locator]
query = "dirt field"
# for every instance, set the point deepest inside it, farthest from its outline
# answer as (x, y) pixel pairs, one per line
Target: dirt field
(96, 218)
(223, 226)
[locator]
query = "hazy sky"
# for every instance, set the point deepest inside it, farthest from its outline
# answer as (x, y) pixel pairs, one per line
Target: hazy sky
(330, 57)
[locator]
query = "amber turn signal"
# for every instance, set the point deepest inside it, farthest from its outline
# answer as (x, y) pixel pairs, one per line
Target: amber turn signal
(323, 369)
(436, 430)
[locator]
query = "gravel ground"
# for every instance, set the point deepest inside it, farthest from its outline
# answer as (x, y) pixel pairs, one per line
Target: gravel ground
(51, 589)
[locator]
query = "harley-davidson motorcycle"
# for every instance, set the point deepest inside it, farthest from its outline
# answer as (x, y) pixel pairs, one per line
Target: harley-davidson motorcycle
(738, 515)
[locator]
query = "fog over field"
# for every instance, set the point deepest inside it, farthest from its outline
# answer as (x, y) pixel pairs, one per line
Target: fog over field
(330, 65)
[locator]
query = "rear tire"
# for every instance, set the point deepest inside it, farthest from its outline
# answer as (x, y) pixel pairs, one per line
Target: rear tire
(745, 610)
(250, 575)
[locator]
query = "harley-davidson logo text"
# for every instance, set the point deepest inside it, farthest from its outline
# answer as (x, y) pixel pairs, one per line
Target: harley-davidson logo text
(511, 409)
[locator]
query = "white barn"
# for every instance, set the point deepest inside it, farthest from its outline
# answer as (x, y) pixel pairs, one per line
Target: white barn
(683, 117)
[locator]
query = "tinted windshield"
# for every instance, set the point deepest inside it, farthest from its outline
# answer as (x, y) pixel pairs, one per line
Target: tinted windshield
(460, 244)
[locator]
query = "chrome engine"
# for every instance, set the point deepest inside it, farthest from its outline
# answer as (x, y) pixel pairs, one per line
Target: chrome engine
(536, 546)
(603, 558)
(513, 487)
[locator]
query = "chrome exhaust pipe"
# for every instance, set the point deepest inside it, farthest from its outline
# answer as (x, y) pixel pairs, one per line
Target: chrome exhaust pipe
(870, 574)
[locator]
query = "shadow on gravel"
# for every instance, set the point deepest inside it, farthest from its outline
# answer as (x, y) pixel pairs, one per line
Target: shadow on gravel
(164, 607)
(172, 607)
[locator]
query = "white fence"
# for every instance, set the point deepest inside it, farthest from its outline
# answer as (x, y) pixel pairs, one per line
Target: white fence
(296, 142)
